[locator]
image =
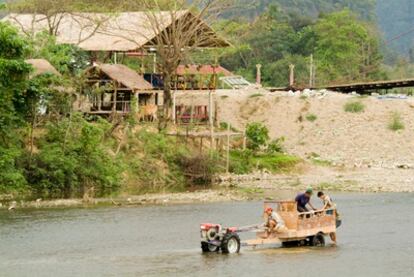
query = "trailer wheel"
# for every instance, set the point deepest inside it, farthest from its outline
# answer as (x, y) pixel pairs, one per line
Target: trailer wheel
(318, 240)
(230, 244)
(207, 247)
(288, 244)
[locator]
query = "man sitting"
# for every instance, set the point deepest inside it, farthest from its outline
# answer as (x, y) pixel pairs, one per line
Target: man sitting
(274, 223)
(303, 199)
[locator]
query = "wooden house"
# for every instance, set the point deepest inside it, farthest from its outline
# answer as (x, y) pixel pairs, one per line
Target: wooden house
(115, 88)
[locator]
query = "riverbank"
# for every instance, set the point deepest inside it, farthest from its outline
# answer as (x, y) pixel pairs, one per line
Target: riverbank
(258, 186)
(201, 196)
(329, 178)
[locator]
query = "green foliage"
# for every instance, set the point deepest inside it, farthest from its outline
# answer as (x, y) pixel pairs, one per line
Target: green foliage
(276, 146)
(13, 83)
(311, 117)
(257, 135)
(73, 160)
(244, 162)
(200, 169)
(154, 162)
(346, 48)
(354, 107)
(255, 95)
(67, 59)
(11, 176)
(396, 122)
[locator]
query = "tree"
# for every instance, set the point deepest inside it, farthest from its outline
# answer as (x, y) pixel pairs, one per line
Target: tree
(54, 12)
(13, 83)
(346, 48)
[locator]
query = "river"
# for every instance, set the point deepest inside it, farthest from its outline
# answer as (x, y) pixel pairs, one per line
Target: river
(376, 239)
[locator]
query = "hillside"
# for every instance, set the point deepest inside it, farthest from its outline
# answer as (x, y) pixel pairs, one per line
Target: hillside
(392, 17)
(338, 147)
(308, 8)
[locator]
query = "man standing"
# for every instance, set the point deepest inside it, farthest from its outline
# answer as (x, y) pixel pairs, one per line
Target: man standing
(303, 199)
(331, 208)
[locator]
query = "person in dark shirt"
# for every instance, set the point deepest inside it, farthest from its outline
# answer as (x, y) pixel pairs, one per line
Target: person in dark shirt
(303, 199)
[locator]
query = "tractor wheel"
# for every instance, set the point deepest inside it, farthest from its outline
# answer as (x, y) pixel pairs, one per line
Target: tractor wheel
(207, 247)
(318, 240)
(230, 244)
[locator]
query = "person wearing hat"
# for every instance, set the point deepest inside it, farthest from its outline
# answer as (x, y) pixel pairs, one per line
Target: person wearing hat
(274, 222)
(303, 199)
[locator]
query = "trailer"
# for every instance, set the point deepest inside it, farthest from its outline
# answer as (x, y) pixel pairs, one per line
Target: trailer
(309, 228)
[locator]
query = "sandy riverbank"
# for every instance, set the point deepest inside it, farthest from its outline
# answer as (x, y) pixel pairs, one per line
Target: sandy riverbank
(253, 187)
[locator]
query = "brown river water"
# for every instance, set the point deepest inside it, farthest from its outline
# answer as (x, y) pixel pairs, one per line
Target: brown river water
(376, 239)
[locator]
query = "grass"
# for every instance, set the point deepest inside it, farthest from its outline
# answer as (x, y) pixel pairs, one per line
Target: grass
(396, 122)
(244, 162)
(256, 95)
(224, 97)
(303, 97)
(311, 117)
(354, 107)
(318, 161)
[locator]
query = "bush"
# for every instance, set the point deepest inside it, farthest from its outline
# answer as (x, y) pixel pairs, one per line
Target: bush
(154, 161)
(244, 162)
(255, 95)
(276, 146)
(11, 176)
(73, 160)
(200, 169)
(396, 123)
(354, 107)
(311, 117)
(257, 136)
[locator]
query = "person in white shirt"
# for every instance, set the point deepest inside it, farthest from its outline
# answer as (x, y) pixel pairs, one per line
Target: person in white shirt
(274, 222)
(331, 209)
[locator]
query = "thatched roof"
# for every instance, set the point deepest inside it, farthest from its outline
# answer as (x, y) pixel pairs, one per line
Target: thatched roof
(121, 32)
(124, 75)
(206, 69)
(41, 66)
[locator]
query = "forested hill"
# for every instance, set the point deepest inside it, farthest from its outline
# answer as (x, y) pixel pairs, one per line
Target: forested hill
(309, 8)
(394, 17)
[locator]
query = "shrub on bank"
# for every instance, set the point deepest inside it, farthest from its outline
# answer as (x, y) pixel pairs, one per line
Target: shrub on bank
(311, 117)
(354, 107)
(396, 122)
(72, 160)
(257, 135)
(244, 162)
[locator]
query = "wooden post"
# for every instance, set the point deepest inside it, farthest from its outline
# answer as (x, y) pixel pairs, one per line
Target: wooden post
(191, 113)
(212, 138)
(174, 108)
(228, 149)
(258, 74)
(201, 145)
(292, 75)
(210, 108)
(115, 97)
(311, 72)
(137, 102)
(244, 140)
